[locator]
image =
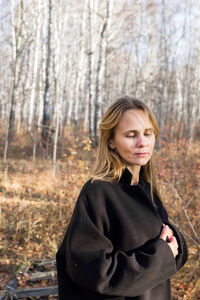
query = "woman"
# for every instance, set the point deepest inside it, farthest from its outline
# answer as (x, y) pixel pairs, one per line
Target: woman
(119, 243)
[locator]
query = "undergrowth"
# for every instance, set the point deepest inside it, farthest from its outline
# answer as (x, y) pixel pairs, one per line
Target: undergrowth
(35, 206)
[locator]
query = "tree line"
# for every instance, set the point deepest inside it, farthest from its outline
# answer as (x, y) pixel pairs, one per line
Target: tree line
(63, 62)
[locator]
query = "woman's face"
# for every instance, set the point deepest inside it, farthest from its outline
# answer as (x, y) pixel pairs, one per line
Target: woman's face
(134, 138)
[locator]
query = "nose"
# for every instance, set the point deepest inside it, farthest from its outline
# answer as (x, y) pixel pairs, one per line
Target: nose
(142, 141)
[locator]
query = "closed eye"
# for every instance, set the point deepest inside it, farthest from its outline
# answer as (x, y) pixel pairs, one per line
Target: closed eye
(148, 133)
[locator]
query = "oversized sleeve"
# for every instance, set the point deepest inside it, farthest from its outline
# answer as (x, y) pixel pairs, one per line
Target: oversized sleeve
(182, 256)
(94, 263)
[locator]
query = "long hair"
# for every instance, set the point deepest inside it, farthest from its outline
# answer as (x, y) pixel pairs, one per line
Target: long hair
(109, 165)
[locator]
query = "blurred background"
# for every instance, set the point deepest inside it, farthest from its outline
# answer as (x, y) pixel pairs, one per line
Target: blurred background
(62, 63)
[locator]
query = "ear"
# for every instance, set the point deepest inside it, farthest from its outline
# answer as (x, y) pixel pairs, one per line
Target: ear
(111, 144)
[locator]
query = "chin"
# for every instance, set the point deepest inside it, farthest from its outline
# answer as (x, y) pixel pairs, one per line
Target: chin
(138, 163)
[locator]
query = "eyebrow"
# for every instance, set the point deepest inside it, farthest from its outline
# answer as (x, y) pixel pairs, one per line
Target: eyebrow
(135, 131)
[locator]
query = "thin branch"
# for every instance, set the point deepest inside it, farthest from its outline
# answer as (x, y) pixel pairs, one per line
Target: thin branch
(185, 233)
(185, 212)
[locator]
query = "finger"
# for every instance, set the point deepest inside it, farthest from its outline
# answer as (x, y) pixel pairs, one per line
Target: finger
(173, 240)
(174, 243)
(164, 233)
(174, 249)
(170, 232)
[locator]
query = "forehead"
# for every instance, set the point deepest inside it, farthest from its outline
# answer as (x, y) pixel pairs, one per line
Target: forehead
(134, 119)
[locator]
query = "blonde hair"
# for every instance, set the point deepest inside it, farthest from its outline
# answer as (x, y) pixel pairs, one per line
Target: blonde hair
(109, 166)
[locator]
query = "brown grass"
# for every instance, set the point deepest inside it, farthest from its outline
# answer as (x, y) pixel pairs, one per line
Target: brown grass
(35, 207)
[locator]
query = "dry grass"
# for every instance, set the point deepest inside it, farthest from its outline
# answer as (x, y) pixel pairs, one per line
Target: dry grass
(35, 208)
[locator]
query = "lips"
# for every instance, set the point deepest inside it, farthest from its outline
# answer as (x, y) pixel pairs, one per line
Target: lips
(141, 154)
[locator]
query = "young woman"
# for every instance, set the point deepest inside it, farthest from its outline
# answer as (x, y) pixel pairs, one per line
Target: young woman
(119, 243)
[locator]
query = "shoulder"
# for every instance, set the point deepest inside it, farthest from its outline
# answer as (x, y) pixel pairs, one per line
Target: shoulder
(97, 187)
(97, 192)
(94, 198)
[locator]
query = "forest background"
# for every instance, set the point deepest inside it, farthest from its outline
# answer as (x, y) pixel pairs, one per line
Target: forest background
(61, 65)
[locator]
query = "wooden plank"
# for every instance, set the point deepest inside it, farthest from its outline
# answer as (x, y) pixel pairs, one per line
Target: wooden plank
(10, 292)
(36, 292)
(41, 264)
(37, 276)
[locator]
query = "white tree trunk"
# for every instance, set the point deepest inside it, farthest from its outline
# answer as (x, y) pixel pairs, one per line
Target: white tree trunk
(35, 62)
(81, 66)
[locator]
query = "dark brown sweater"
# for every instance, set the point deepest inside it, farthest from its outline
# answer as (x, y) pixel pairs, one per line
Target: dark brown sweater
(112, 248)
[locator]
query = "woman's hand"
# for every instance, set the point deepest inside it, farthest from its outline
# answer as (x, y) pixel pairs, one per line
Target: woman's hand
(167, 235)
(170, 232)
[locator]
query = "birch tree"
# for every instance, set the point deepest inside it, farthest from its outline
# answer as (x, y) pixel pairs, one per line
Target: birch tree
(58, 81)
(17, 32)
(38, 8)
(90, 53)
(46, 111)
(95, 52)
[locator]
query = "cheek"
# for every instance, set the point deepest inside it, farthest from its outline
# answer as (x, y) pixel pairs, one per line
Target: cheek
(153, 144)
(127, 146)
(123, 144)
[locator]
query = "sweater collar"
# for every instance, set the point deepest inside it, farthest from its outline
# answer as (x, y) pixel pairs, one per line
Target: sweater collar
(127, 176)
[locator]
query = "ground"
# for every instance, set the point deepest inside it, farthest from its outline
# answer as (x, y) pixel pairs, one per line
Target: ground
(36, 206)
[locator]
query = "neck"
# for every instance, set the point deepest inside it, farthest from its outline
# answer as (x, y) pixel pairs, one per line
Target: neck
(135, 171)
